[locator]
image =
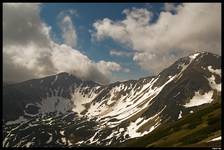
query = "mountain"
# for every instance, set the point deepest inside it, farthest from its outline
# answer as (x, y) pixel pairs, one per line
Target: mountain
(32, 95)
(202, 128)
(63, 110)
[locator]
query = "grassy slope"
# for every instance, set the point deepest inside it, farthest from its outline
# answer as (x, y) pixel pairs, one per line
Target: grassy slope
(191, 131)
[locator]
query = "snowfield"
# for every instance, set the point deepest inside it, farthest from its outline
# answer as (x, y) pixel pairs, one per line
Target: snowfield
(199, 99)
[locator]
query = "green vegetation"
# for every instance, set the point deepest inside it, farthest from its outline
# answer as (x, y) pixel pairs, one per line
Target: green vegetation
(192, 130)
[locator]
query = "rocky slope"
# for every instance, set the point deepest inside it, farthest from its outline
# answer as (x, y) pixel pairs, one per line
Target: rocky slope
(200, 129)
(62, 110)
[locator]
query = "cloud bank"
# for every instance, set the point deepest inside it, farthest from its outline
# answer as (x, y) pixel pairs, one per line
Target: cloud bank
(193, 27)
(29, 52)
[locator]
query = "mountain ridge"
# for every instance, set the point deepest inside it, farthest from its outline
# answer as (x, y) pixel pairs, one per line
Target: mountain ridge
(119, 111)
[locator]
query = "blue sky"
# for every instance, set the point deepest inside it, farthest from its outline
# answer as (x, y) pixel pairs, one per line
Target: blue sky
(83, 20)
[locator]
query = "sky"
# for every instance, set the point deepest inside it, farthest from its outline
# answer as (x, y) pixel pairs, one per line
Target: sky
(104, 42)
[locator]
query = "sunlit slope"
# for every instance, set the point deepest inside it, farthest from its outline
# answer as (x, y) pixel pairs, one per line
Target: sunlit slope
(197, 129)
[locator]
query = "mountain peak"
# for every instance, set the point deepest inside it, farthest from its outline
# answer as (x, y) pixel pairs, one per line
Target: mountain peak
(201, 54)
(199, 57)
(64, 74)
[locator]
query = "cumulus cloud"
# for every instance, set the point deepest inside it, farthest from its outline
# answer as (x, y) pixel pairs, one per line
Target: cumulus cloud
(115, 52)
(29, 52)
(193, 27)
(68, 31)
(73, 61)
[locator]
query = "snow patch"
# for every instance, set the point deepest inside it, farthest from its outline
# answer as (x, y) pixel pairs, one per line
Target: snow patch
(62, 132)
(55, 104)
(80, 142)
(180, 115)
(50, 138)
(203, 68)
(121, 129)
(63, 140)
(134, 126)
(28, 114)
(216, 139)
(199, 99)
(92, 138)
(79, 99)
(110, 136)
(28, 144)
(177, 94)
(29, 104)
(127, 105)
(194, 56)
(213, 84)
(19, 120)
(131, 129)
(185, 66)
(215, 71)
(69, 143)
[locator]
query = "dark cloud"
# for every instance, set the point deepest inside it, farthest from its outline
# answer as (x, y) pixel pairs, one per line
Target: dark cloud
(22, 26)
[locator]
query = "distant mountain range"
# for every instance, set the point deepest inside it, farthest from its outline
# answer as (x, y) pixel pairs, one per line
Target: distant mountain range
(62, 110)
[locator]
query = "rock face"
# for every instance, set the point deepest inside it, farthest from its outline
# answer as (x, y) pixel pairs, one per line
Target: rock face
(62, 110)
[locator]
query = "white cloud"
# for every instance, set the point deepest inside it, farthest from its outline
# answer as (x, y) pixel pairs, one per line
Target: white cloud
(29, 51)
(68, 31)
(107, 67)
(194, 27)
(114, 52)
(70, 60)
